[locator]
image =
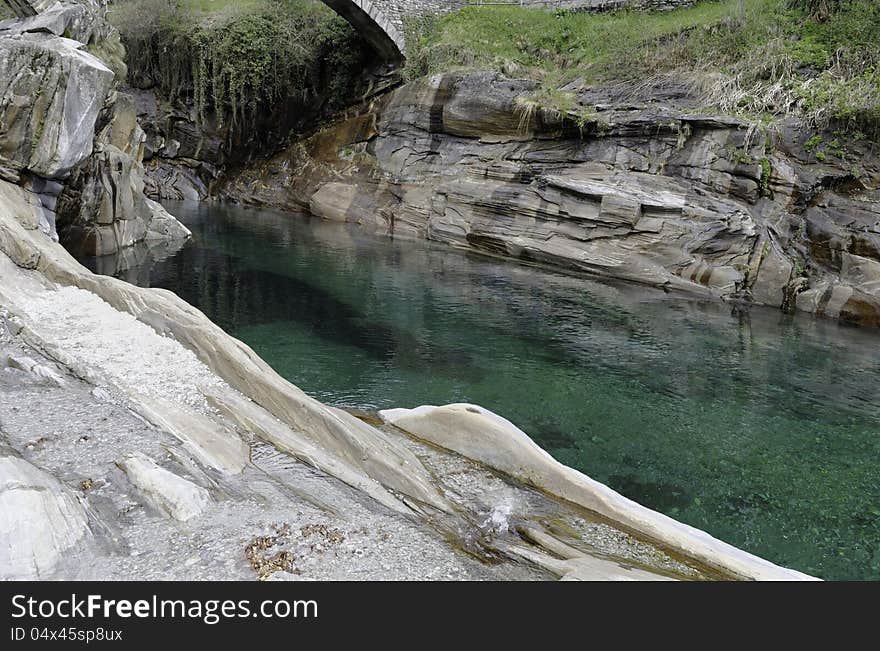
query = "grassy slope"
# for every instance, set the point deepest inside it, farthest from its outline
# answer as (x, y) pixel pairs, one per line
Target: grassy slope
(754, 57)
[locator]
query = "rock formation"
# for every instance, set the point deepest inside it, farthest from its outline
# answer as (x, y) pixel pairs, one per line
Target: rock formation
(39, 518)
(174, 496)
(246, 393)
(649, 196)
(647, 188)
(70, 134)
(486, 437)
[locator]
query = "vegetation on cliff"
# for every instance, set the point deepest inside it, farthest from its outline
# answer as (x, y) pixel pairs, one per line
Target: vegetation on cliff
(764, 58)
(237, 60)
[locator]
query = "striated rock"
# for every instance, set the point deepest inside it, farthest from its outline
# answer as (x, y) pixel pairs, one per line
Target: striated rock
(78, 20)
(772, 276)
(68, 136)
(490, 439)
(213, 445)
(27, 365)
(163, 226)
(365, 457)
(637, 185)
(176, 180)
(18, 206)
(263, 425)
(166, 492)
(573, 564)
(51, 93)
(39, 519)
(103, 208)
(358, 444)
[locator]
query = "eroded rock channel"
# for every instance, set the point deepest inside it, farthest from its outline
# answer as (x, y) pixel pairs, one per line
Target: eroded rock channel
(140, 440)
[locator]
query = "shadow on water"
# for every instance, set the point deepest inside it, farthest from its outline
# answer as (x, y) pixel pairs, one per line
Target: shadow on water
(758, 427)
(656, 495)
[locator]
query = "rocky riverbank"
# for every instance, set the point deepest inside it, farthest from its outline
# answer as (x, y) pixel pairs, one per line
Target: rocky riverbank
(139, 440)
(204, 445)
(650, 188)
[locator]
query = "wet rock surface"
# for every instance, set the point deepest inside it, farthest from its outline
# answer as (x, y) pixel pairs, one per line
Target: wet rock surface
(83, 451)
(155, 512)
(486, 437)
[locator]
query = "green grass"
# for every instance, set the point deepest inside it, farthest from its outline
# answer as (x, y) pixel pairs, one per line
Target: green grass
(759, 58)
(541, 42)
(212, 9)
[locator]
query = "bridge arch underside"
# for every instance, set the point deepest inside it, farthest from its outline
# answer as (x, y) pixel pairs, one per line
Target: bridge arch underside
(374, 26)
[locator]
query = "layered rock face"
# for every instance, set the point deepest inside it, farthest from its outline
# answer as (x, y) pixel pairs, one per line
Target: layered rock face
(70, 136)
(643, 187)
(181, 157)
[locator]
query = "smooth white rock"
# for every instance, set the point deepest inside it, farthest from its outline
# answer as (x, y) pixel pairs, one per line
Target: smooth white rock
(39, 520)
(481, 435)
(166, 492)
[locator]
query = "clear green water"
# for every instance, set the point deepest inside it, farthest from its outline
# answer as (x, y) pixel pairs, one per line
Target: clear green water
(760, 428)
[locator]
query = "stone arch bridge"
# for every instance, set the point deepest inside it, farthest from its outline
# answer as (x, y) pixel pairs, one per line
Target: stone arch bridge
(381, 22)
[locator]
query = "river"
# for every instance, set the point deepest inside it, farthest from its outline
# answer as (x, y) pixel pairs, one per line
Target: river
(759, 427)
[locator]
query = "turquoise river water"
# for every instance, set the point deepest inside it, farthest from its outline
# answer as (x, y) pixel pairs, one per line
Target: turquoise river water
(758, 427)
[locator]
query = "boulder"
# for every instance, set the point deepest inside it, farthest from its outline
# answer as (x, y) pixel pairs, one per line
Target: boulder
(170, 494)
